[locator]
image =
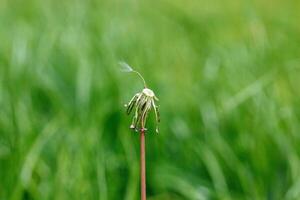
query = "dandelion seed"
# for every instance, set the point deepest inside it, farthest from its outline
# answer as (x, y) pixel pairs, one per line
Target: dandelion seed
(125, 67)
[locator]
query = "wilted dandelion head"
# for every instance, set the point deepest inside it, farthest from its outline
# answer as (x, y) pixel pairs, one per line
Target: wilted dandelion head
(142, 103)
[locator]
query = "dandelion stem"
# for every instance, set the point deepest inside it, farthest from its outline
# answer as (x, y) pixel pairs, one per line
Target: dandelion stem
(143, 166)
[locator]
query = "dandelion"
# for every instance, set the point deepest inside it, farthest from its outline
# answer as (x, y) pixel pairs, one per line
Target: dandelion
(142, 103)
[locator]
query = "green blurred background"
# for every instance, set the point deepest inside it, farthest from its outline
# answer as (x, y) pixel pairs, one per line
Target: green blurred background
(227, 74)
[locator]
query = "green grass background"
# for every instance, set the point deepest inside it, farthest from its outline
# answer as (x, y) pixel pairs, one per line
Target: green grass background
(227, 74)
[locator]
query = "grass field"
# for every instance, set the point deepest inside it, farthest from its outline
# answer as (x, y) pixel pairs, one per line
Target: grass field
(227, 74)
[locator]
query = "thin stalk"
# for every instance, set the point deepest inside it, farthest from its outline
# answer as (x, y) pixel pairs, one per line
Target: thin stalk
(145, 85)
(143, 165)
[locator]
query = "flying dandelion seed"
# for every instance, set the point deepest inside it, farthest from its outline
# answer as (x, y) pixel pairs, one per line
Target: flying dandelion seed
(125, 67)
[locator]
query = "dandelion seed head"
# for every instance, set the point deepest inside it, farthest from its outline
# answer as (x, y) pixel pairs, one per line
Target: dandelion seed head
(148, 92)
(141, 104)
